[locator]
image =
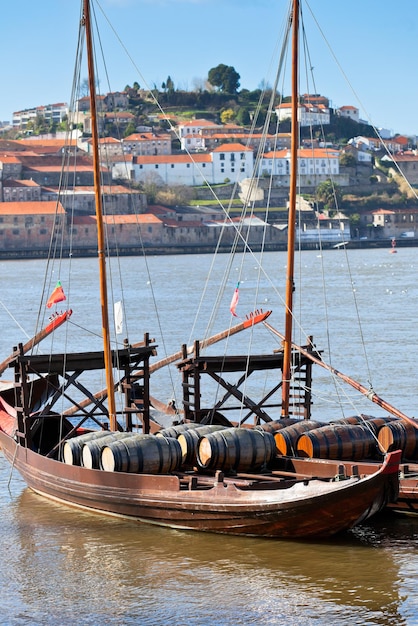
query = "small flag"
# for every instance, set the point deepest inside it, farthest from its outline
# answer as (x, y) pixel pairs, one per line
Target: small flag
(234, 301)
(118, 313)
(57, 295)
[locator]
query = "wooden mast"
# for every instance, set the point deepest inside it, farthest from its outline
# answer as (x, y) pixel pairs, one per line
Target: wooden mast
(287, 343)
(99, 216)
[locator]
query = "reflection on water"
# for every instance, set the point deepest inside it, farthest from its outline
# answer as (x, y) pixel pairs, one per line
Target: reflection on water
(60, 565)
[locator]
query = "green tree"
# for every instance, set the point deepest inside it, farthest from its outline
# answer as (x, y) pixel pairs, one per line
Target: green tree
(328, 196)
(243, 117)
(225, 78)
(347, 159)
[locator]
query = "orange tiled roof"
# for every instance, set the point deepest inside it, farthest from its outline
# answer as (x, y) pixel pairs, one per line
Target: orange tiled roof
(30, 208)
(173, 158)
(232, 147)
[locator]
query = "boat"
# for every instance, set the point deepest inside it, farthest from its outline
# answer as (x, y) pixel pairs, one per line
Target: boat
(118, 461)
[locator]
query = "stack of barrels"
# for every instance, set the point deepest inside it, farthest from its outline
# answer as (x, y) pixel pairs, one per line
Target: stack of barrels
(213, 447)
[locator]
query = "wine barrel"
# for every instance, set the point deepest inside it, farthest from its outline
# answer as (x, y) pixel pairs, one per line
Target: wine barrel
(374, 422)
(274, 426)
(174, 431)
(287, 438)
(239, 449)
(189, 439)
(146, 454)
(91, 450)
(354, 419)
(399, 435)
(71, 450)
(348, 442)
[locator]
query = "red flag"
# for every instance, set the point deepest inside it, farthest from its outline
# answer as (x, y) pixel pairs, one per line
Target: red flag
(234, 301)
(57, 295)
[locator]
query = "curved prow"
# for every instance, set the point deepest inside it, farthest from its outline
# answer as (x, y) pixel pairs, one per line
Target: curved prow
(55, 322)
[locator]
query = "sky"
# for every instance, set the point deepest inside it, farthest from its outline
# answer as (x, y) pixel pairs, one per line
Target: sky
(363, 52)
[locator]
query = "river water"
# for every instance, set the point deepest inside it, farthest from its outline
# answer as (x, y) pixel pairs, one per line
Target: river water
(63, 566)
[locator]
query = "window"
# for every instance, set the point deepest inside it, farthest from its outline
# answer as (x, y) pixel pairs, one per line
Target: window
(156, 166)
(222, 156)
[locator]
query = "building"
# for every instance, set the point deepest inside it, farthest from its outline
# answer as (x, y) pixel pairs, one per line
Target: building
(20, 191)
(51, 113)
(29, 225)
(308, 114)
(322, 162)
(407, 164)
(349, 112)
(390, 223)
(147, 143)
(229, 161)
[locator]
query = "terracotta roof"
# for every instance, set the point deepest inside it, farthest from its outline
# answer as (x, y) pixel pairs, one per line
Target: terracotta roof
(173, 158)
(9, 159)
(9, 182)
(57, 143)
(232, 147)
(106, 189)
(147, 137)
(201, 122)
(104, 140)
(30, 208)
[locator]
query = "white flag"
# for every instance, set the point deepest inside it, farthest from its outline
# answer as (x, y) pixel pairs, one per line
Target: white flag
(118, 312)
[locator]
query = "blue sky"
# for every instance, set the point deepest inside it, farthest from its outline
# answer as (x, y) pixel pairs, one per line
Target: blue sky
(374, 41)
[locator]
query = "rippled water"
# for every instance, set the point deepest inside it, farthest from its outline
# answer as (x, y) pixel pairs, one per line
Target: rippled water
(60, 565)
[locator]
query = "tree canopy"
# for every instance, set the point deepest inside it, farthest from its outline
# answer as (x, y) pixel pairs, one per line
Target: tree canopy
(225, 78)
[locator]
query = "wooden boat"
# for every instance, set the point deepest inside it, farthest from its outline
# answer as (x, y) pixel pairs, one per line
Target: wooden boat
(141, 476)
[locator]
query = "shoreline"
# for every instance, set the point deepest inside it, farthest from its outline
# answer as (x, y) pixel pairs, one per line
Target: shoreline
(165, 250)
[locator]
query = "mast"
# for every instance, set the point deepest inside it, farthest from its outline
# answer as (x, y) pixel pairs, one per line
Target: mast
(287, 343)
(99, 216)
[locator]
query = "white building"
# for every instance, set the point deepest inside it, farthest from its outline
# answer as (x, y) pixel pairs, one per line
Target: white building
(349, 112)
(311, 161)
(231, 161)
(308, 114)
(52, 113)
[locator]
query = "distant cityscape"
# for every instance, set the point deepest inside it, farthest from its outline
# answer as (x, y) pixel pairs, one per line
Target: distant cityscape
(157, 179)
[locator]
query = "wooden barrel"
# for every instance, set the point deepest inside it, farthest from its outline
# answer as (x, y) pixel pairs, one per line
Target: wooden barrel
(71, 450)
(399, 435)
(239, 449)
(274, 426)
(345, 442)
(189, 439)
(145, 454)
(287, 438)
(375, 423)
(354, 419)
(174, 431)
(91, 450)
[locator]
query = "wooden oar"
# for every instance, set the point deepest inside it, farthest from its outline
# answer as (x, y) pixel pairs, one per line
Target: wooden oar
(251, 320)
(369, 393)
(55, 321)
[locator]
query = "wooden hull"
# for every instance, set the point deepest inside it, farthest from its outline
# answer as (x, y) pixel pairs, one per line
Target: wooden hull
(407, 501)
(306, 508)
